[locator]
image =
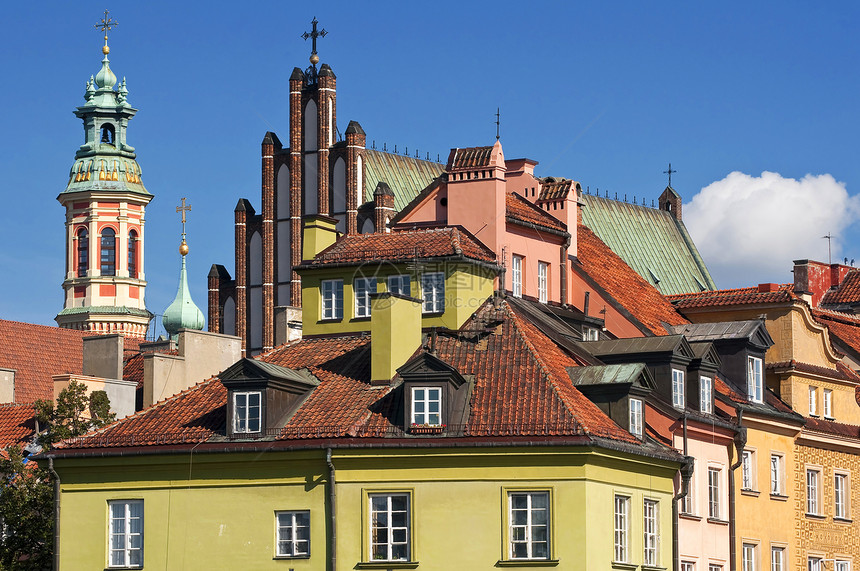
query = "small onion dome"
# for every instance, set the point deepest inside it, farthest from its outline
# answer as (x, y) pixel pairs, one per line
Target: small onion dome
(105, 77)
(182, 313)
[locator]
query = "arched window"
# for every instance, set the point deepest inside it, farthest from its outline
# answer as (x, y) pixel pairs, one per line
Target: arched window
(83, 252)
(107, 134)
(108, 250)
(132, 254)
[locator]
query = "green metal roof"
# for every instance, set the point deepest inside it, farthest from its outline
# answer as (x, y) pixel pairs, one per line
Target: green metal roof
(406, 176)
(651, 242)
(606, 374)
(106, 310)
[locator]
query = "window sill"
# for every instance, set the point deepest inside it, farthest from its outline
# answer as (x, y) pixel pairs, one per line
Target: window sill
(387, 565)
(753, 493)
(527, 563)
(652, 568)
(717, 521)
(779, 497)
(331, 320)
(359, 319)
(816, 516)
(843, 519)
(290, 557)
(829, 417)
(693, 517)
(624, 565)
(432, 313)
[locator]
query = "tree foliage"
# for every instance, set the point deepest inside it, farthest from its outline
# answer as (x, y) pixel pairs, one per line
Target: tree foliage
(27, 491)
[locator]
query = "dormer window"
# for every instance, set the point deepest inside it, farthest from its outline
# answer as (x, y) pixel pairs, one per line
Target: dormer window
(677, 388)
(246, 412)
(426, 406)
(755, 389)
(706, 395)
(637, 417)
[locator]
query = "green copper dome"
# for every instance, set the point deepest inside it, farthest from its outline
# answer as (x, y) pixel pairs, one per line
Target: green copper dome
(105, 78)
(182, 313)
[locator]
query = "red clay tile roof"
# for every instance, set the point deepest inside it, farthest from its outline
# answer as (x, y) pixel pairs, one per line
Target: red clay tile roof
(844, 329)
(848, 291)
(832, 427)
(132, 370)
(404, 245)
(629, 289)
(470, 157)
(17, 424)
(552, 189)
(521, 388)
(521, 210)
(840, 372)
(740, 296)
(770, 397)
(37, 352)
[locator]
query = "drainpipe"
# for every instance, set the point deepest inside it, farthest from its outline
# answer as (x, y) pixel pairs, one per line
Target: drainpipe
(332, 499)
(687, 467)
(56, 513)
(740, 440)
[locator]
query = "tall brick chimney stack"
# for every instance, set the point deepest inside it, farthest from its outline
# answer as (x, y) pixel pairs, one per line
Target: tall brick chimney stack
(670, 201)
(356, 140)
(383, 207)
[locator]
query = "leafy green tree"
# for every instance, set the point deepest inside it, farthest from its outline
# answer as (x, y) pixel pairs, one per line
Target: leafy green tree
(27, 491)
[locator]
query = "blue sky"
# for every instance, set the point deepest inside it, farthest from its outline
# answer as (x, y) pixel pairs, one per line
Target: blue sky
(605, 93)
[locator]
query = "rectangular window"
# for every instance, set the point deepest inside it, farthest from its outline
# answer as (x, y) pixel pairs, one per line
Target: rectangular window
(812, 491)
(748, 557)
(294, 533)
(636, 417)
(389, 527)
(126, 533)
(777, 559)
(517, 275)
(332, 299)
(652, 531)
(400, 285)
(622, 529)
(363, 287)
(706, 395)
(433, 291)
(714, 493)
(714, 567)
(543, 281)
(776, 471)
(688, 505)
(755, 385)
(842, 566)
(590, 334)
(840, 495)
(828, 403)
(813, 401)
(688, 566)
(427, 406)
(748, 475)
(246, 412)
(814, 564)
(529, 525)
(677, 388)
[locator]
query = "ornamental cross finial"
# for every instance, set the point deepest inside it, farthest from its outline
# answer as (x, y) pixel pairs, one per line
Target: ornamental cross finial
(669, 172)
(107, 23)
(182, 210)
(314, 34)
(498, 122)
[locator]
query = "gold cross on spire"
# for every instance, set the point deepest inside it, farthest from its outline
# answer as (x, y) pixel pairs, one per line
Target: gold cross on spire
(107, 23)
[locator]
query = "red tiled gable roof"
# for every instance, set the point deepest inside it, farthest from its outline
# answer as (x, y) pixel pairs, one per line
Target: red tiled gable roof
(770, 397)
(832, 427)
(17, 424)
(740, 296)
(629, 289)
(404, 245)
(132, 369)
(848, 291)
(551, 189)
(842, 373)
(520, 209)
(521, 388)
(844, 329)
(36, 353)
(470, 157)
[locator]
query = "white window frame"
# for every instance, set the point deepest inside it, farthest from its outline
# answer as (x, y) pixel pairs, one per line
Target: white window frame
(715, 567)
(528, 533)
(813, 401)
(293, 533)
(400, 284)
(777, 558)
(748, 470)
(827, 402)
(129, 554)
(427, 399)
(813, 491)
(402, 532)
(777, 471)
(543, 282)
(433, 292)
(749, 559)
(706, 394)
(841, 495)
(361, 289)
(517, 275)
(242, 421)
(331, 299)
(651, 531)
(714, 490)
(590, 333)
(688, 502)
(841, 565)
(755, 379)
(621, 539)
(814, 564)
(688, 566)
(678, 392)
(637, 417)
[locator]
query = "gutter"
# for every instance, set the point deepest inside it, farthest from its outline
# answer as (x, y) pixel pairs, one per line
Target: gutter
(56, 513)
(332, 499)
(686, 473)
(537, 227)
(739, 441)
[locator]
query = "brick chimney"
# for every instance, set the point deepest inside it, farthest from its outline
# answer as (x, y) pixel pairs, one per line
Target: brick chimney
(670, 201)
(816, 278)
(383, 207)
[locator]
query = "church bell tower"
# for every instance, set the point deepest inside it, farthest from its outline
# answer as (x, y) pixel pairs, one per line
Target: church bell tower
(105, 202)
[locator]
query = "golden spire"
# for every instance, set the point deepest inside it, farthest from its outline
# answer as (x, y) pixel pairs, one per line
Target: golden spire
(183, 247)
(106, 24)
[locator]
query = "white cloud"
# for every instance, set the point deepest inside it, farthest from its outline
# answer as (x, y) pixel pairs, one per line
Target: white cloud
(749, 229)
